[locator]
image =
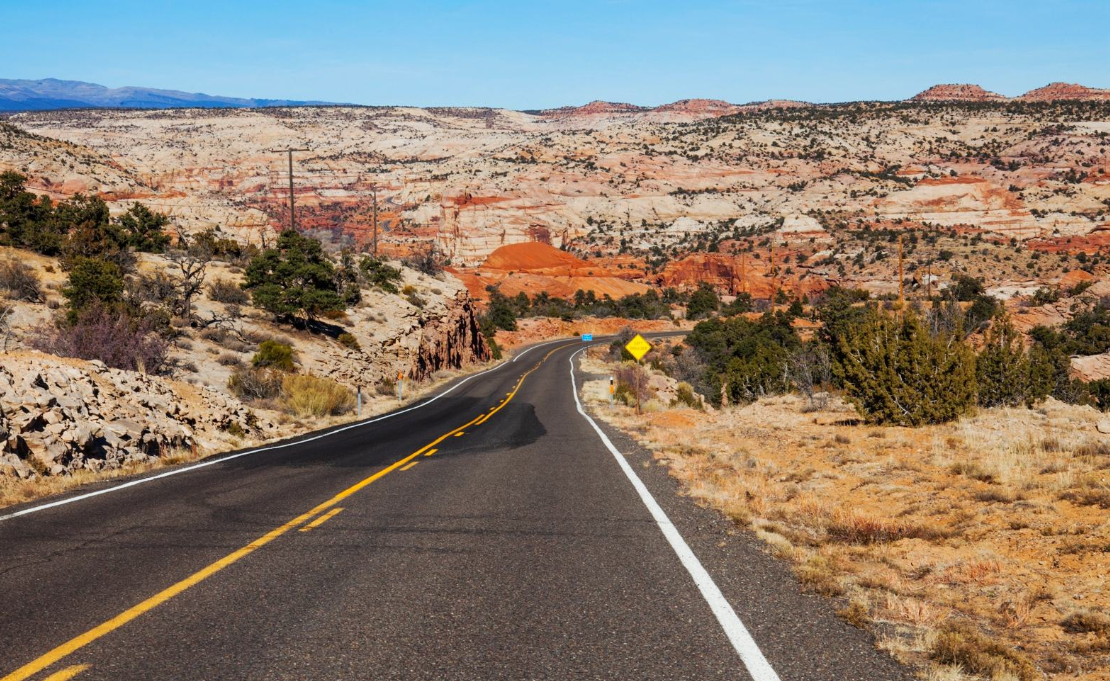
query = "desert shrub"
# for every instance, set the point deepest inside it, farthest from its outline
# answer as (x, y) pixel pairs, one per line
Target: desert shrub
(745, 359)
(426, 260)
(899, 372)
(685, 396)
(1003, 369)
(1086, 622)
(375, 272)
(959, 644)
(415, 300)
(348, 340)
(20, 281)
(308, 395)
(108, 335)
(255, 384)
(500, 314)
(228, 292)
(632, 384)
(387, 386)
(703, 302)
(273, 355)
(229, 360)
(739, 305)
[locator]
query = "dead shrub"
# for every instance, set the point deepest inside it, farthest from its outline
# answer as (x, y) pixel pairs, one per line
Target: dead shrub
(227, 292)
(971, 469)
(959, 644)
(20, 281)
(255, 384)
(308, 395)
(229, 360)
(1090, 490)
(115, 338)
(1087, 622)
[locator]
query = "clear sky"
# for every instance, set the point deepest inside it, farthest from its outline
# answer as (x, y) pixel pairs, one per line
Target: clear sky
(532, 54)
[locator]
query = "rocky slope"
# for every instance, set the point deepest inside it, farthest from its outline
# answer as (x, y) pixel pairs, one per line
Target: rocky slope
(61, 415)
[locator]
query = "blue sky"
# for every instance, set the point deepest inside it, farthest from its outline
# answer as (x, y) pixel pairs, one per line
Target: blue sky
(544, 54)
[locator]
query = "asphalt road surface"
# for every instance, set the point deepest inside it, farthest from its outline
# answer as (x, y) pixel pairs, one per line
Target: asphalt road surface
(491, 533)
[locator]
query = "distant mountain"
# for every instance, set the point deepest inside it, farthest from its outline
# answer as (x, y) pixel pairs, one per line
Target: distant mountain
(51, 93)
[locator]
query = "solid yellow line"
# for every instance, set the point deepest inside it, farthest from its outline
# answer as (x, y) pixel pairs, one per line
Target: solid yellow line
(69, 647)
(323, 519)
(67, 673)
(410, 465)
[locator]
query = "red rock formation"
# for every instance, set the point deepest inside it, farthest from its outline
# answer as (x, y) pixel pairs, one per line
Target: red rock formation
(1059, 91)
(450, 341)
(957, 93)
(699, 108)
(594, 108)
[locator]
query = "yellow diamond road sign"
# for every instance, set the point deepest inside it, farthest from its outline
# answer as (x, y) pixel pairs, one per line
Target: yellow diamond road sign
(638, 347)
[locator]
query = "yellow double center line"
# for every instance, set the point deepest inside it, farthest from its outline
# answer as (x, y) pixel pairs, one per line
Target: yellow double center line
(69, 647)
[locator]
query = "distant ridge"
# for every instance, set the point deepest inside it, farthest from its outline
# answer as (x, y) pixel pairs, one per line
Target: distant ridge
(957, 93)
(1053, 92)
(51, 93)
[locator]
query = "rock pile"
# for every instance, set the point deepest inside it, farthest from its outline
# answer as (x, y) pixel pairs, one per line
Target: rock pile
(61, 415)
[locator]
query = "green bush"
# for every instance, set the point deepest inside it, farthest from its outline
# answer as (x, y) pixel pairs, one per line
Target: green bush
(92, 282)
(703, 302)
(308, 395)
(1004, 371)
(898, 372)
(746, 359)
(377, 273)
(273, 355)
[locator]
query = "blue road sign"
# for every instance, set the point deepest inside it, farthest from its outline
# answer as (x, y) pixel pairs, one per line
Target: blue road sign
(587, 337)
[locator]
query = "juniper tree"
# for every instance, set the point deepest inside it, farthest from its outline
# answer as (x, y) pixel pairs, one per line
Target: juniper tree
(897, 372)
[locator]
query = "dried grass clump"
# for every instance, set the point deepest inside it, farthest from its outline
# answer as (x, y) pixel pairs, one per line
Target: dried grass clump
(308, 395)
(959, 644)
(1087, 622)
(853, 527)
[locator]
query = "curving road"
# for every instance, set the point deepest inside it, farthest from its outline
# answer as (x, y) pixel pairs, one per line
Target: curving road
(494, 532)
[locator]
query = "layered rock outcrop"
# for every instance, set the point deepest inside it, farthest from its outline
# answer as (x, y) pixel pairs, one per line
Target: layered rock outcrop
(61, 415)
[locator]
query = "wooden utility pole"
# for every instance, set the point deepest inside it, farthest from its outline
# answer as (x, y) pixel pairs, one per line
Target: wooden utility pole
(292, 215)
(774, 280)
(901, 277)
(374, 212)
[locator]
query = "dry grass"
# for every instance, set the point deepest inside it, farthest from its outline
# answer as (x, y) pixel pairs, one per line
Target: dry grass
(996, 521)
(308, 395)
(16, 491)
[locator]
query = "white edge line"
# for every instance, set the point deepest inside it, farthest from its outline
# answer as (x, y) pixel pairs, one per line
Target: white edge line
(212, 462)
(750, 654)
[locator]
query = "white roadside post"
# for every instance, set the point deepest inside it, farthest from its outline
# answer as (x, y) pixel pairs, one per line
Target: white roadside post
(359, 412)
(612, 393)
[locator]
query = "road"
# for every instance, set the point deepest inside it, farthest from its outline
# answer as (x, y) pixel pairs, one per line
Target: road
(490, 533)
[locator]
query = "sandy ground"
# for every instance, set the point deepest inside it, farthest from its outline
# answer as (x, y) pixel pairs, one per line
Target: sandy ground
(987, 536)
